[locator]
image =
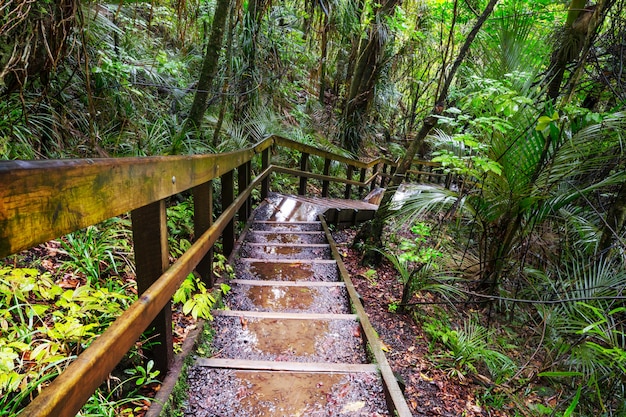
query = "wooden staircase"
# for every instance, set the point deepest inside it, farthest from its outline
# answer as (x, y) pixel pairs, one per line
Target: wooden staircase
(289, 342)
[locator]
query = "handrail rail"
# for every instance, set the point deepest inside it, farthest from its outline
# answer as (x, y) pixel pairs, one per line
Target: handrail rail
(329, 155)
(42, 200)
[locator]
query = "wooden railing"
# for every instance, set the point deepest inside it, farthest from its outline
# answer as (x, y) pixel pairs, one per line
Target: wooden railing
(43, 200)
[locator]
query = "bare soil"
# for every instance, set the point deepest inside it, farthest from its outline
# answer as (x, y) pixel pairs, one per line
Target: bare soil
(429, 391)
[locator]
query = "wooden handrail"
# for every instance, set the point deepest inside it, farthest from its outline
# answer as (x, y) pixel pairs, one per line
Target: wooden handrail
(42, 200)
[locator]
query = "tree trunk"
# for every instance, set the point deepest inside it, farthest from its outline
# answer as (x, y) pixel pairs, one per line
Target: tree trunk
(225, 85)
(569, 46)
(614, 221)
(375, 229)
(366, 72)
(323, 57)
(209, 67)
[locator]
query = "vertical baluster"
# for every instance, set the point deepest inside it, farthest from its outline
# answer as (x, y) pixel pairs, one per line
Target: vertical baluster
(362, 179)
(349, 177)
(203, 219)
(383, 178)
(304, 166)
(374, 172)
(228, 195)
(149, 224)
(325, 183)
(243, 180)
(265, 162)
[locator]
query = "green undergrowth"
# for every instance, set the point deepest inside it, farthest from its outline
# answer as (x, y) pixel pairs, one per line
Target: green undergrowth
(174, 407)
(56, 299)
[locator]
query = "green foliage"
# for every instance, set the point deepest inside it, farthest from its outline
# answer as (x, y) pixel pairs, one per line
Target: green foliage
(180, 227)
(469, 346)
(43, 327)
(98, 251)
(195, 298)
(585, 333)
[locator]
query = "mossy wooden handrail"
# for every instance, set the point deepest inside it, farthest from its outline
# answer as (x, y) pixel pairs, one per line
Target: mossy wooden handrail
(42, 200)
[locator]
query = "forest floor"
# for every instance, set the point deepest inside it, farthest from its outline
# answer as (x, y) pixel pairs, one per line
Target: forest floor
(430, 390)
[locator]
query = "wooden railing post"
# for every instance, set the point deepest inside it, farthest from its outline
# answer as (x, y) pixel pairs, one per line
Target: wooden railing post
(374, 172)
(326, 183)
(349, 177)
(383, 178)
(203, 219)
(228, 196)
(362, 179)
(243, 180)
(265, 162)
(304, 164)
(392, 172)
(149, 226)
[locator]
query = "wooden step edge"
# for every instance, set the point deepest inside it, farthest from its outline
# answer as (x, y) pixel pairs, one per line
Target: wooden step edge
(288, 232)
(268, 283)
(317, 367)
(288, 261)
(284, 316)
(282, 223)
(295, 245)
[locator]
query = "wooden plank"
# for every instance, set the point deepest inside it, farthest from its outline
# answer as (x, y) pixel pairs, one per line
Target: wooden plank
(228, 193)
(283, 316)
(288, 232)
(326, 183)
(374, 177)
(290, 261)
(149, 225)
(269, 283)
(314, 367)
(393, 390)
(295, 222)
(265, 163)
(294, 245)
(362, 180)
(203, 219)
(243, 180)
(348, 194)
(304, 167)
(42, 200)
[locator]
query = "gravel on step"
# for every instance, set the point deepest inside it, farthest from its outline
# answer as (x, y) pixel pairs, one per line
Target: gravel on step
(227, 393)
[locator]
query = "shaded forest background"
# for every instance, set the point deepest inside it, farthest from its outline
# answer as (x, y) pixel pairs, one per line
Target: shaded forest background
(522, 101)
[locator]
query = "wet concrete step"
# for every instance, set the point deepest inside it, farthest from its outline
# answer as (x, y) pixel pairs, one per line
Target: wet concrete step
(284, 237)
(288, 296)
(333, 338)
(281, 270)
(283, 252)
(285, 393)
(266, 225)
